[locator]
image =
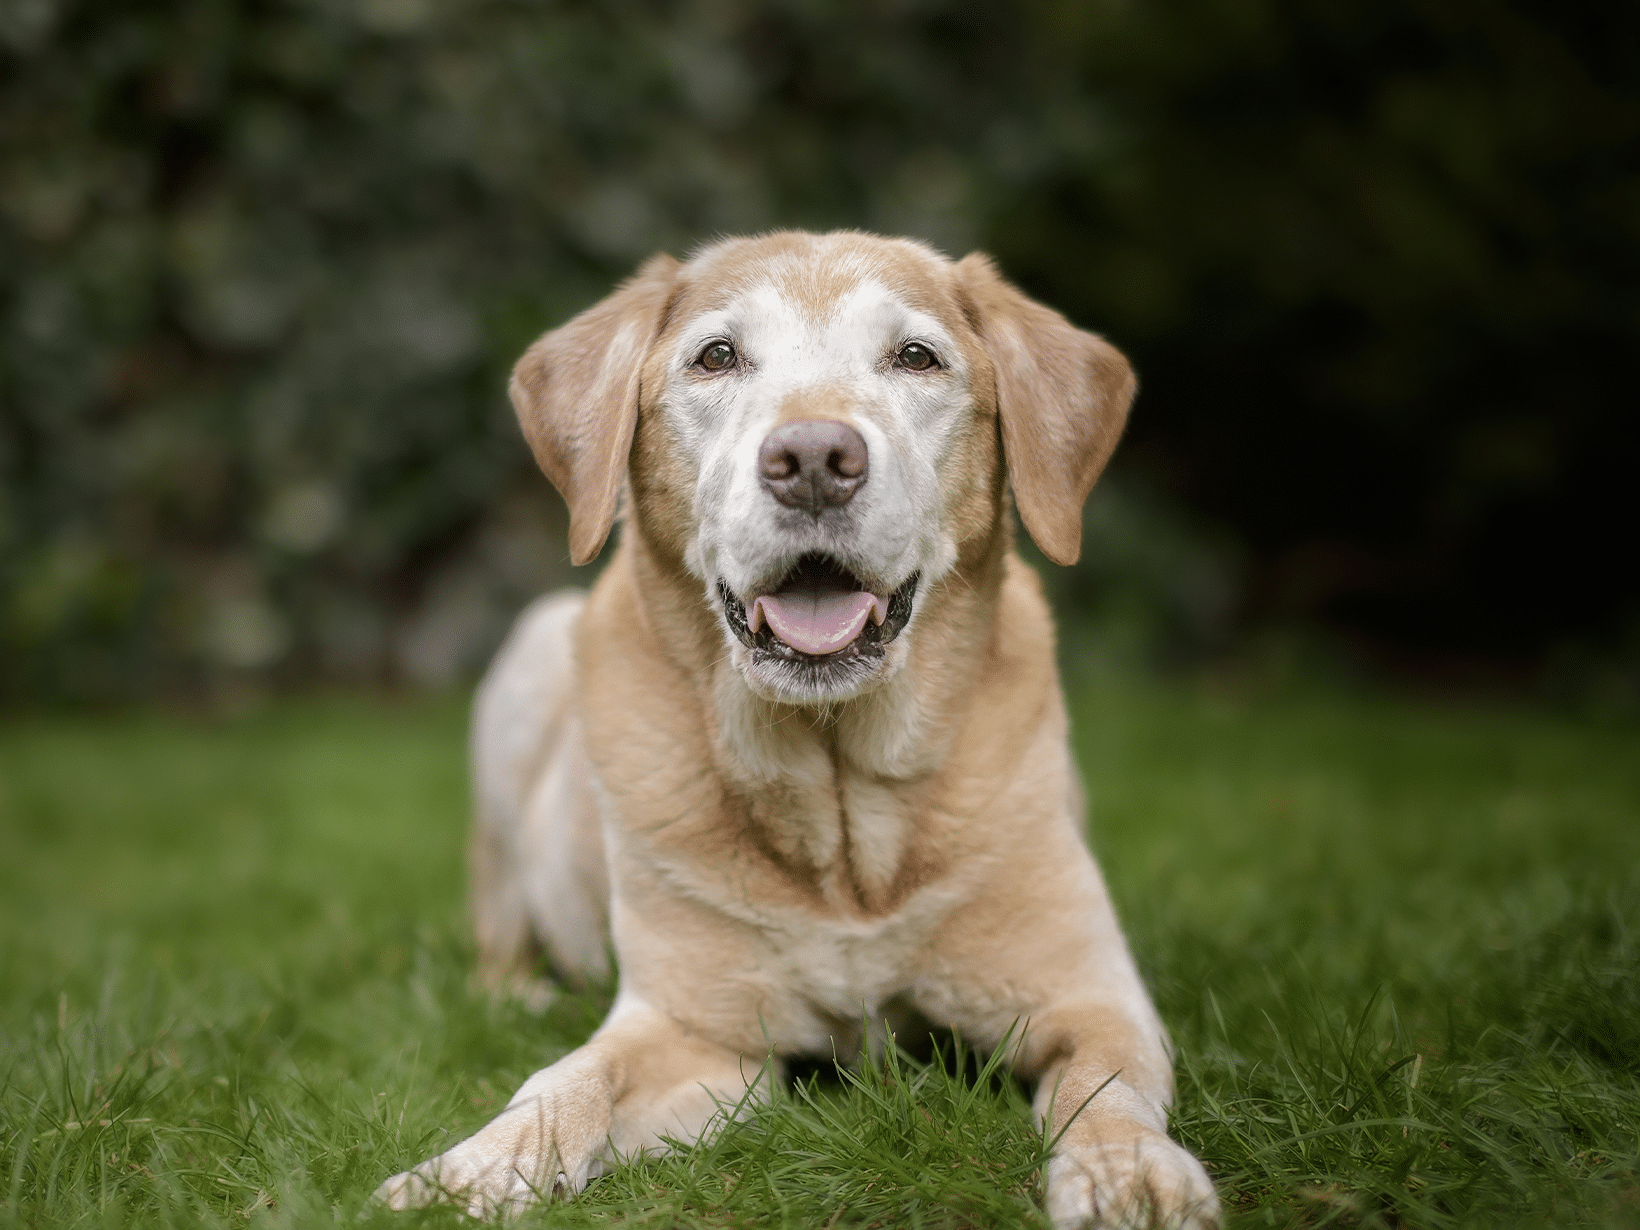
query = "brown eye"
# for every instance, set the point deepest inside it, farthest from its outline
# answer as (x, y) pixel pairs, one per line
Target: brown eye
(915, 357)
(718, 356)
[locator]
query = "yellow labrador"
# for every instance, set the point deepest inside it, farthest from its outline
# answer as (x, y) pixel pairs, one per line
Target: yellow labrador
(801, 753)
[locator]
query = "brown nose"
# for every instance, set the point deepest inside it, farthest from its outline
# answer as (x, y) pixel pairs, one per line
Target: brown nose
(813, 465)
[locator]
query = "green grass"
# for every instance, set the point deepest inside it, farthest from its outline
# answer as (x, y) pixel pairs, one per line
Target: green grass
(1396, 946)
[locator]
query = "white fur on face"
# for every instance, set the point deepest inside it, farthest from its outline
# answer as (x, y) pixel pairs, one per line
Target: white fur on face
(894, 527)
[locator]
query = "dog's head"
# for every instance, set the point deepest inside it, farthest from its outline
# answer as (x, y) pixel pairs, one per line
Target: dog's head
(816, 427)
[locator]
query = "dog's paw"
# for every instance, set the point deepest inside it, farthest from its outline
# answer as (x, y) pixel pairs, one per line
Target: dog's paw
(1149, 1183)
(548, 1144)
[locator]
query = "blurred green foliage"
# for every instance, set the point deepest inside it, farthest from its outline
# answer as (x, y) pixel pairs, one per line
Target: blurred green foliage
(264, 264)
(1378, 265)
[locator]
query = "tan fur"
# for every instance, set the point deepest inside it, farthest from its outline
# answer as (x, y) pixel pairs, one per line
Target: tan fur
(778, 870)
(824, 402)
(576, 393)
(1063, 396)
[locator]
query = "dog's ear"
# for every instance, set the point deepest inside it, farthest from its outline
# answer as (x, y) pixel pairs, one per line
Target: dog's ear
(1062, 398)
(576, 395)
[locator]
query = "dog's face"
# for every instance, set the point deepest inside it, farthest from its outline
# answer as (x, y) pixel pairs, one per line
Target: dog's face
(829, 452)
(813, 426)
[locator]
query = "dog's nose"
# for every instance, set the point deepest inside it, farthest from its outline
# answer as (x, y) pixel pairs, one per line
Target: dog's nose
(813, 465)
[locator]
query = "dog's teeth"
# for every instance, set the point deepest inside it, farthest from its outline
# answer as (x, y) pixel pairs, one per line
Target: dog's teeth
(754, 617)
(879, 610)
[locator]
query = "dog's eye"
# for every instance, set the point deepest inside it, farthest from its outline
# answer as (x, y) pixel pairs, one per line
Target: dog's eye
(718, 356)
(915, 357)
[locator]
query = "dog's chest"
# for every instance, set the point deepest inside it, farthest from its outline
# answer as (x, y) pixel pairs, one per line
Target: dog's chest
(842, 967)
(831, 822)
(864, 894)
(852, 847)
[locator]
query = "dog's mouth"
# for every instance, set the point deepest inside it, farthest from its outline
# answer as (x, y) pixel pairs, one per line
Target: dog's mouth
(819, 612)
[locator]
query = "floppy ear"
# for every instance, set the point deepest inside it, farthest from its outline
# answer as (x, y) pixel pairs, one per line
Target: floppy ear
(1062, 398)
(576, 395)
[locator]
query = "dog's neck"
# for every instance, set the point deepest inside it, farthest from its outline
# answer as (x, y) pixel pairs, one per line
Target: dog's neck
(837, 793)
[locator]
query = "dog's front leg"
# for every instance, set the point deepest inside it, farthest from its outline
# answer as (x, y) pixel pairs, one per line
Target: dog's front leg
(641, 1079)
(1106, 1106)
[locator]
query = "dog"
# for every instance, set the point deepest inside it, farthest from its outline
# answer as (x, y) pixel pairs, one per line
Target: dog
(801, 754)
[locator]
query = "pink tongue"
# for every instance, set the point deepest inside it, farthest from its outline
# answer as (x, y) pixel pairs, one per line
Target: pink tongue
(817, 622)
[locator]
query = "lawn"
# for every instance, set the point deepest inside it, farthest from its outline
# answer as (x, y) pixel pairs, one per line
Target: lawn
(1396, 944)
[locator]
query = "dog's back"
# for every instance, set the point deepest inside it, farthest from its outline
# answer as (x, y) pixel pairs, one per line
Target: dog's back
(537, 855)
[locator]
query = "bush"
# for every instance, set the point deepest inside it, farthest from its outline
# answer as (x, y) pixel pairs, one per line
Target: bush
(264, 264)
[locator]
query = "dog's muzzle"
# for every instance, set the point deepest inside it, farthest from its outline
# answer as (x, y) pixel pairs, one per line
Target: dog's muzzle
(819, 613)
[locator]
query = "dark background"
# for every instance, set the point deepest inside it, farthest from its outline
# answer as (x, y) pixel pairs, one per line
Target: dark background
(264, 266)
